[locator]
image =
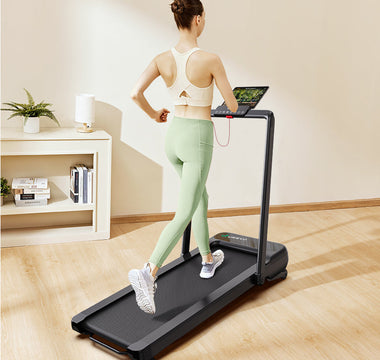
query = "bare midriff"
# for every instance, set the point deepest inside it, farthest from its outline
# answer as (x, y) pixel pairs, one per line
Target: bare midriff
(193, 112)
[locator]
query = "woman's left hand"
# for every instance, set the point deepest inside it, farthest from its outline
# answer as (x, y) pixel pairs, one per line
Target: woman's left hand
(161, 115)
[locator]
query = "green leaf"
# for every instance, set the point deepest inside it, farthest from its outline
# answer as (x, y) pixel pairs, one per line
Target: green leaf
(40, 107)
(11, 104)
(31, 109)
(44, 105)
(31, 101)
(24, 106)
(13, 115)
(51, 116)
(18, 112)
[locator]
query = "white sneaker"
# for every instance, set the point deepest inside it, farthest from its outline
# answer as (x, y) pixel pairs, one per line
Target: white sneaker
(208, 269)
(144, 285)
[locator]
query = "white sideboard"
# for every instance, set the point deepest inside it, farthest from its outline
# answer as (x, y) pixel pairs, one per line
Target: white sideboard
(50, 153)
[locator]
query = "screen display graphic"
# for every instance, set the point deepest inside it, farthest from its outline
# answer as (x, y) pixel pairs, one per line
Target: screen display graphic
(249, 95)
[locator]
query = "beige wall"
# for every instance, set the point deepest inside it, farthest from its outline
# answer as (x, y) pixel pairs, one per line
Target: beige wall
(320, 58)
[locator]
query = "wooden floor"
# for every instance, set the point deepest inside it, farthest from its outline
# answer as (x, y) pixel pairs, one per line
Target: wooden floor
(327, 308)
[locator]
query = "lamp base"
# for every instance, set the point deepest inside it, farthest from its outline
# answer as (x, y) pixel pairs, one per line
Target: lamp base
(85, 129)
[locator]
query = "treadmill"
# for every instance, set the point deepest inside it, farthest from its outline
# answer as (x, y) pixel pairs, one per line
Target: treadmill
(183, 299)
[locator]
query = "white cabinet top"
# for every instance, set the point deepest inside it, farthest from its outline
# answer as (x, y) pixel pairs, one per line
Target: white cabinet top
(53, 133)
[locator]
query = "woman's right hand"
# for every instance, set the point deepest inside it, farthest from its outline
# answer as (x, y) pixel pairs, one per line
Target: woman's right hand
(161, 115)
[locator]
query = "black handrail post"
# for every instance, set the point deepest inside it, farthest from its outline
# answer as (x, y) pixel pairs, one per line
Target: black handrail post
(186, 240)
(265, 200)
(264, 213)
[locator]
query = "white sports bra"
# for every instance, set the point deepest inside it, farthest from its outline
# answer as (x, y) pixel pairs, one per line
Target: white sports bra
(196, 96)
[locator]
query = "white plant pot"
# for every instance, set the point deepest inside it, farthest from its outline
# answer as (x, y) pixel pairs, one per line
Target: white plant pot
(32, 125)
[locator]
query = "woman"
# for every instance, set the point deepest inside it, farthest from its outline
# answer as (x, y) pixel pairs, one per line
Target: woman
(189, 74)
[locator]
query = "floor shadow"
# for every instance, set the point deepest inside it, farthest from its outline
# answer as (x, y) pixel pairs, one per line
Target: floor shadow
(304, 236)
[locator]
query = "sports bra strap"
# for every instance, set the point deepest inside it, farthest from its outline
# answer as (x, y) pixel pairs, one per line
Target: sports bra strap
(195, 96)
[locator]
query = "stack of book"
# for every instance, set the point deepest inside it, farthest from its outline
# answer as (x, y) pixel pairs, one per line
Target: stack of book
(30, 191)
(81, 184)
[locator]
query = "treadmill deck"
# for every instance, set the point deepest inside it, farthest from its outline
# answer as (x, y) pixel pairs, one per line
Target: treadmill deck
(177, 290)
(183, 299)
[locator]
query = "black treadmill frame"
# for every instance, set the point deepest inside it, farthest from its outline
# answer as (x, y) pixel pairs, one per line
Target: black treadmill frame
(264, 211)
(175, 328)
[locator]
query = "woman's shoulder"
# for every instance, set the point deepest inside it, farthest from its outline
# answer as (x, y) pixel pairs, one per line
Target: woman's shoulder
(209, 55)
(162, 54)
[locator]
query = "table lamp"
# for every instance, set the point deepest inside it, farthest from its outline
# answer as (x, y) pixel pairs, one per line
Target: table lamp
(85, 112)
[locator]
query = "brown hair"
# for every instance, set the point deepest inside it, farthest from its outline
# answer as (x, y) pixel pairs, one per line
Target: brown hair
(184, 11)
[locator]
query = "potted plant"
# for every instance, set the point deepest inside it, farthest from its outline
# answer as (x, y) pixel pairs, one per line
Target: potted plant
(5, 189)
(31, 113)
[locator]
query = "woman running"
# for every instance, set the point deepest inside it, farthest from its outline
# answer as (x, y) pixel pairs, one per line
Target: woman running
(189, 75)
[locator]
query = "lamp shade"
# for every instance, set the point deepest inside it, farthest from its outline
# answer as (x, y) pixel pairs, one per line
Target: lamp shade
(85, 108)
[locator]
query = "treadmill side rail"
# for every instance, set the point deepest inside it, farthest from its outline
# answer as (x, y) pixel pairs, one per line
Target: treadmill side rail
(265, 200)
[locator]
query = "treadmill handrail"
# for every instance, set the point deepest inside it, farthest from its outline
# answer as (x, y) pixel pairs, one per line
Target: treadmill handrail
(265, 199)
(264, 213)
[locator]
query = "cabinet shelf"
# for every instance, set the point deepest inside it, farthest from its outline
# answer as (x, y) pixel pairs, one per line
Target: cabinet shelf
(50, 154)
(53, 205)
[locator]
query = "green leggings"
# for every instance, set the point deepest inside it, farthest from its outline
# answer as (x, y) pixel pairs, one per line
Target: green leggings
(189, 147)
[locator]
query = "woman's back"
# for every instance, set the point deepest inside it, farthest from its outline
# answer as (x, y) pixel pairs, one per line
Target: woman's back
(197, 72)
(197, 69)
(193, 92)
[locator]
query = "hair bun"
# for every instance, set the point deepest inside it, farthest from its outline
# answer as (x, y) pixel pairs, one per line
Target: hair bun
(177, 7)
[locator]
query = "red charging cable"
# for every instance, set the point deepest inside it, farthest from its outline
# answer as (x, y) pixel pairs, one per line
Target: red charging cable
(229, 131)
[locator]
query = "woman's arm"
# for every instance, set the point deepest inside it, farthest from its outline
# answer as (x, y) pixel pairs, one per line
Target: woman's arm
(137, 94)
(219, 73)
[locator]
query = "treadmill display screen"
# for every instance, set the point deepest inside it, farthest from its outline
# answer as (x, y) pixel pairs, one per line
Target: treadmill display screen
(249, 95)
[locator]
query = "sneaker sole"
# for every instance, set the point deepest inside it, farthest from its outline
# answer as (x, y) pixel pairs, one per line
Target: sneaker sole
(142, 300)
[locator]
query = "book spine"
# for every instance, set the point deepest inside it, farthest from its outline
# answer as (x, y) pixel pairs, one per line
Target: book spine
(31, 196)
(72, 178)
(85, 183)
(92, 185)
(76, 182)
(29, 183)
(80, 184)
(74, 197)
(31, 202)
(21, 182)
(31, 191)
(41, 183)
(89, 186)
